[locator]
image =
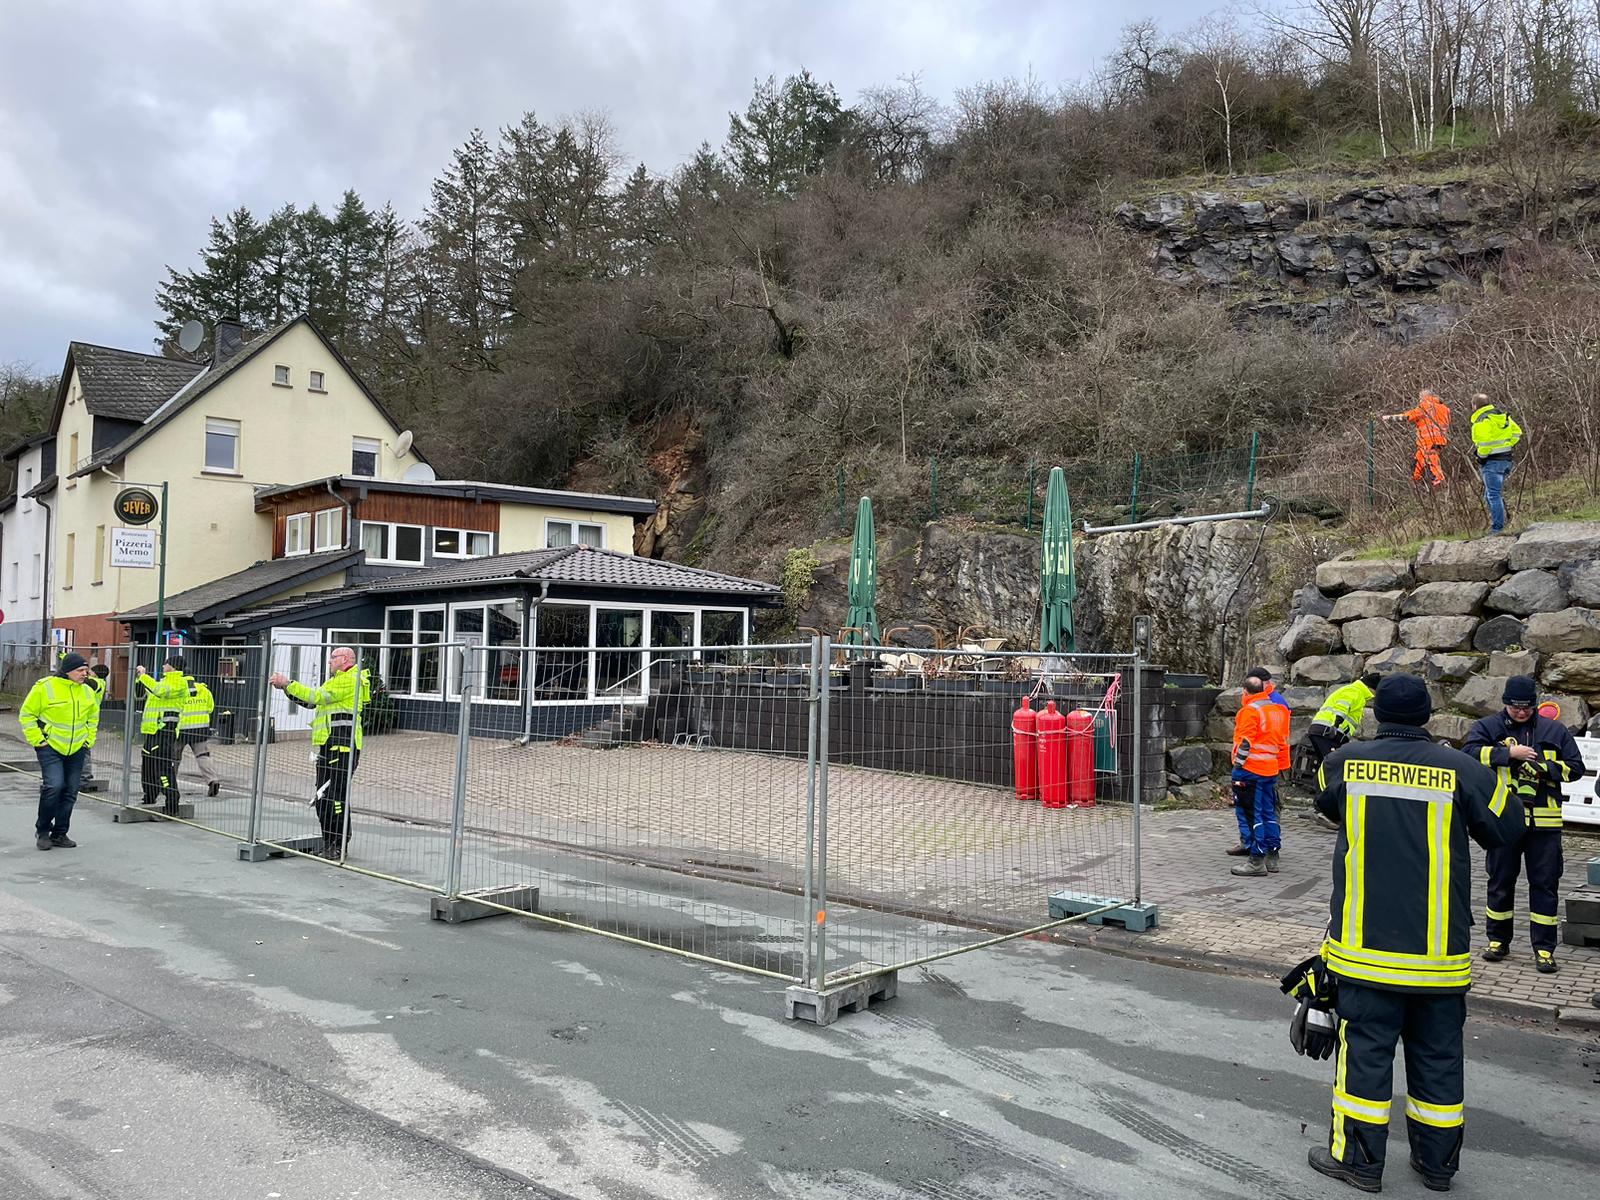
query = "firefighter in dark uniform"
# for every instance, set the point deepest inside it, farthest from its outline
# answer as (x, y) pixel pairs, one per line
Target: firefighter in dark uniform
(1399, 943)
(163, 710)
(336, 734)
(1534, 756)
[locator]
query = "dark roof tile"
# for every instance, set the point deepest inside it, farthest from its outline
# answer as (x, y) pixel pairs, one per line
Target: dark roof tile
(254, 582)
(577, 565)
(126, 385)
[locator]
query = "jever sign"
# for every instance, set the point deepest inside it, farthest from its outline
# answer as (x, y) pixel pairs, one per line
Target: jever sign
(137, 506)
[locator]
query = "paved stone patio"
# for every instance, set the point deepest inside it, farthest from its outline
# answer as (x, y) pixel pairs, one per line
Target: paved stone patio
(897, 844)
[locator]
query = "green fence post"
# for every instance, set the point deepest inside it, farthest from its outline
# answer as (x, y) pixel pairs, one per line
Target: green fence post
(839, 479)
(1372, 438)
(1028, 520)
(1250, 482)
(933, 484)
(1133, 497)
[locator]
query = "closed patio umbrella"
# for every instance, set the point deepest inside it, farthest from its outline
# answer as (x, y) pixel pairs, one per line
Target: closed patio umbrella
(863, 589)
(1058, 588)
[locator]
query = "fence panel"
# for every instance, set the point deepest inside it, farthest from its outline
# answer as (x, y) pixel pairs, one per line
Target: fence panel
(398, 796)
(926, 848)
(670, 812)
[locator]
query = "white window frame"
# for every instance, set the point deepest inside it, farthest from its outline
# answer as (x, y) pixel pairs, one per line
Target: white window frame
(392, 527)
(572, 531)
(464, 534)
(317, 381)
(282, 376)
(302, 522)
(452, 676)
(226, 427)
(414, 645)
(16, 579)
(366, 445)
(317, 544)
(38, 576)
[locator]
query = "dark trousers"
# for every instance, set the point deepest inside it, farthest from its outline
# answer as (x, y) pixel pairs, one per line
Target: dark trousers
(58, 789)
(1324, 744)
(1363, 1079)
(1255, 804)
(335, 766)
(158, 767)
(1541, 849)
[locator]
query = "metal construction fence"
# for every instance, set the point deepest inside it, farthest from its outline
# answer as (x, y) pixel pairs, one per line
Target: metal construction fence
(814, 813)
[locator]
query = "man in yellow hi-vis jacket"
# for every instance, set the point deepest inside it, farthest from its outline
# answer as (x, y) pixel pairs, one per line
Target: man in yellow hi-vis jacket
(336, 732)
(60, 718)
(1399, 943)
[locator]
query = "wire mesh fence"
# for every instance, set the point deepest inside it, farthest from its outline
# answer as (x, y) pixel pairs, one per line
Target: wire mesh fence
(791, 810)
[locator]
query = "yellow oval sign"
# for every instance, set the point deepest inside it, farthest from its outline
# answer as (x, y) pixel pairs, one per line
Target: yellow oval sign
(137, 506)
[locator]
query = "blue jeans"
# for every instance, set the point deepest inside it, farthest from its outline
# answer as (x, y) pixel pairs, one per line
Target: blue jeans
(58, 789)
(1495, 472)
(1255, 804)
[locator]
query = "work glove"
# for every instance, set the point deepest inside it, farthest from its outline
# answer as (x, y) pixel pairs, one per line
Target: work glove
(1314, 1028)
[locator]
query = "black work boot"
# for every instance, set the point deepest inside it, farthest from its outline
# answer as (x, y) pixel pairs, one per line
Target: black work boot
(62, 840)
(1272, 862)
(1434, 1183)
(213, 788)
(1495, 951)
(1324, 1163)
(43, 843)
(1544, 962)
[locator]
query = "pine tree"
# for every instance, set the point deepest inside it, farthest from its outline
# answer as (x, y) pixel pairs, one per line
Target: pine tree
(787, 132)
(464, 250)
(227, 287)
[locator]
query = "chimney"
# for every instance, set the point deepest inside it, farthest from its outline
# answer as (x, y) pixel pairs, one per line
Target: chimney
(227, 338)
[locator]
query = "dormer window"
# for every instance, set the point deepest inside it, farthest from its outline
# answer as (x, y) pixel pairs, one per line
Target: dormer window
(280, 376)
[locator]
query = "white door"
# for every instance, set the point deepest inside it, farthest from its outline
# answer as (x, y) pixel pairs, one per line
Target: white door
(298, 653)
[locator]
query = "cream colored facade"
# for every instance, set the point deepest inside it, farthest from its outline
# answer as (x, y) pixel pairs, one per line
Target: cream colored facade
(285, 433)
(522, 526)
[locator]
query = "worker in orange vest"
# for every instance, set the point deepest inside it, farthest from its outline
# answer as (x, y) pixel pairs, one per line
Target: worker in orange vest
(1432, 421)
(1260, 754)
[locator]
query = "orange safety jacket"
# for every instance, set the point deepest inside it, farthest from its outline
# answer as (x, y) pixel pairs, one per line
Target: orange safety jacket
(1261, 736)
(1432, 420)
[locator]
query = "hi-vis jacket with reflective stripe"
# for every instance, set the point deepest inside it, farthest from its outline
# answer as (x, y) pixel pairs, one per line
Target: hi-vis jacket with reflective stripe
(1494, 432)
(1261, 736)
(1537, 784)
(1344, 708)
(61, 714)
(1402, 870)
(197, 707)
(163, 702)
(339, 703)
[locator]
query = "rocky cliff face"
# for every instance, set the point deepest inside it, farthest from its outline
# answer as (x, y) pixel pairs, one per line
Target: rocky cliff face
(1384, 253)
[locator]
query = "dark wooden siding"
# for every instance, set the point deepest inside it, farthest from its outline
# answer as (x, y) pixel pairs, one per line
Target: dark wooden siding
(442, 511)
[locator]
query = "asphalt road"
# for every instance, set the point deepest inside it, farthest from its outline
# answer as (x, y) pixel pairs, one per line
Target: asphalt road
(174, 1023)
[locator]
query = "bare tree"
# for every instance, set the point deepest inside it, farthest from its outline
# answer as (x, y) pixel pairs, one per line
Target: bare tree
(1219, 46)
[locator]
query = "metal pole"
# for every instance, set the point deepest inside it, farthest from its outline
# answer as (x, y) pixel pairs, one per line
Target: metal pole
(127, 727)
(1138, 771)
(258, 781)
(1133, 498)
(825, 659)
(812, 701)
(1372, 438)
(458, 813)
(161, 571)
(1250, 484)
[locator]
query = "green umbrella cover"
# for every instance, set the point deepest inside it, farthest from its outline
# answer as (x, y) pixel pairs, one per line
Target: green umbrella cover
(1057, 586)
(863, 589)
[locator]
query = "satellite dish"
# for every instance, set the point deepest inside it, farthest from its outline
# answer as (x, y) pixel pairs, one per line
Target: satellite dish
(189, 336)
(419, 473)
(402, 444)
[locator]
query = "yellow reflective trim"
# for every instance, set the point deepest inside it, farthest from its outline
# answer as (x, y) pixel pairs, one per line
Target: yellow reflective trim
(1373, 1112)
(1337, 1143)
(1502, 789)
(1396, 958)
(1417, 979)
(1484, 754)
(1541, 919)
(1355, 824)
(1438, 879)
(1494, 914)
(1440, 1116)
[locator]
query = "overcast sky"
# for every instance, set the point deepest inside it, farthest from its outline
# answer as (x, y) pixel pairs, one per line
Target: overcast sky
(125, 125)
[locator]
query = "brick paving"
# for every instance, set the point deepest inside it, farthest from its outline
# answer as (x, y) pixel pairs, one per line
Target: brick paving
(896, 844)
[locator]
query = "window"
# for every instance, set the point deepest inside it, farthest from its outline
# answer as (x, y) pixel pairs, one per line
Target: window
(222, 445)
(567, 533)
(16, 570)
(329, 529)
(72, 458)
(363, 456)
(462, 543)
(368, 645)
(619, 669)
(394, 544)
(66, 561)
(280, 376)
(560, 673)
(297, 534)
(38, 577)
(491, 633)
(412, 660)
(99, 554)
(721, 627)
(315, 383)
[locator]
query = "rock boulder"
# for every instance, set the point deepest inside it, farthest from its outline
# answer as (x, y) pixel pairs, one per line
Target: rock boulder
(1553, 544)
(1438, 633)
(1362, 606)
(1513, 662)
(1480, 560)
(1568, 630)
(1498, 633)
(1582, 581)
(1363, 575)
(1452, 668)
(1324, 668)
(1527, 592)
(1309, 602)
(1572, 672)
(1450, 727)
(1575, 712)
(1310, 635)
(1444, 599)
(1398, 658)
(1369, 635)
(1481, 694)
(1189, 763)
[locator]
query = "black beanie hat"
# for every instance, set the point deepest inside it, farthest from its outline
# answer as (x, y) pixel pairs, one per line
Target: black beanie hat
(1402, 700)
(1260, 673)
(71, 662)
(175, 661)
(1520, 689)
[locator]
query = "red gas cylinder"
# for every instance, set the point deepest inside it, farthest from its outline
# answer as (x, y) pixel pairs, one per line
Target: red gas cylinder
(1080, 758)
(1025, 750)
(1052, 757)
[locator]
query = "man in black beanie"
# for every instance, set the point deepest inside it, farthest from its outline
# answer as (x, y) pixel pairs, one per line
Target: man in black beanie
(60, 718)
(1534, 756)
(1399, 945)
